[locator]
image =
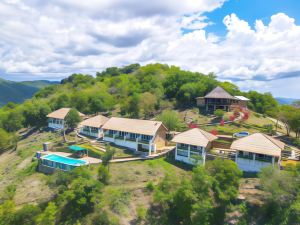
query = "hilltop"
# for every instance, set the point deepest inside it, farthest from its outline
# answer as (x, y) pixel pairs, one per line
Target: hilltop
(18, 92)
(135, 192)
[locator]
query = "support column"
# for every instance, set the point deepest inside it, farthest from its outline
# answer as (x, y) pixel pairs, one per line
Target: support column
(273, 160)
(254, 158)
(236, 155)
(176, 150)
(189, 151)
(150, 144)
(203, 155)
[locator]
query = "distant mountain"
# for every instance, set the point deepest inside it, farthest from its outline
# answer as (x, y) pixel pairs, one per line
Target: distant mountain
(18, 92)
(286, 101)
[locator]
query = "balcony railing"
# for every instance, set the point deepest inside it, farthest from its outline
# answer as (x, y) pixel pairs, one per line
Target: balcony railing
(130, 139)
(144, 141)
(245, 156)
(119, 137)
(109, 135)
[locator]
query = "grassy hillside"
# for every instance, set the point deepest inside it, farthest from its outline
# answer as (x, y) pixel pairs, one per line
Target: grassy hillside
(19, 91)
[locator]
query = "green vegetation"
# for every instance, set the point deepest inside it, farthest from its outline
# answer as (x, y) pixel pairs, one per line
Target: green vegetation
(18, 92)
(158, 191)
(72, 119)
(132, 91)
(219, 113)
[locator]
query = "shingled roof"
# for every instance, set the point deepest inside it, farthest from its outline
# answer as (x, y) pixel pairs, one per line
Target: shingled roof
(219, 92)
(259, 143)
(61, 113)
(147, 127)
(194, 136)
(96, 121)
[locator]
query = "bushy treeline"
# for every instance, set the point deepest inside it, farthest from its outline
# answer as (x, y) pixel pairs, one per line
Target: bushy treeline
(204, 198)
(135, 91)
(78, 201)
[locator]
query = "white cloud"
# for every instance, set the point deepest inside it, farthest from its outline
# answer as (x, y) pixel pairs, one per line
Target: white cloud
(59, 37)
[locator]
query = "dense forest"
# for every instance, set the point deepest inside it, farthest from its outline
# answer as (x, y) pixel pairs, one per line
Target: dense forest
(133, 91)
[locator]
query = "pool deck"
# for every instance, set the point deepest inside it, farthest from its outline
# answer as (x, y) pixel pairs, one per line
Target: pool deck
(88, 159)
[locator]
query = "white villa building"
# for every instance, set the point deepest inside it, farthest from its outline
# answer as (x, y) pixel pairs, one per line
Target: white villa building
(192, 145)
(140, 135)
(257, 151)
(56, 119)
(93, 126)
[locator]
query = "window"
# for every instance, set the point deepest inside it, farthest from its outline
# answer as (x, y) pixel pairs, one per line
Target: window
(122, 133)
(94, 130)
(111, 132)
(133, 135)
(183, 146)
(182, 153)
(146, 137)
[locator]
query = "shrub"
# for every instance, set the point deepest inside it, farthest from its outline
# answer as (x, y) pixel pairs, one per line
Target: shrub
(103, 174)
(150, 186)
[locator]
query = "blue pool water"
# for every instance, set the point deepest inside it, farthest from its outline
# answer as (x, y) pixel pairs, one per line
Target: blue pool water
(241, 134)
(64, 160)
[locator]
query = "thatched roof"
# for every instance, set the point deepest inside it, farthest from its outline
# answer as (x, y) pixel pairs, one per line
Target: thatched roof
(219, 92)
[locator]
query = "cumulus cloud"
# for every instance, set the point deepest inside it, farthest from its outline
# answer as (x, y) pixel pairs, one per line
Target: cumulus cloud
(59, 37)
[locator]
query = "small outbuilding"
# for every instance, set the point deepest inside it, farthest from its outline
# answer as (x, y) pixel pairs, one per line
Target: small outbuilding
(192, 145)
(257, 151)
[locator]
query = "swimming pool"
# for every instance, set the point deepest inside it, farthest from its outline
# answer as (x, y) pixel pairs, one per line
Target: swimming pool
(65, 160)
(61, 162)
(241, 134)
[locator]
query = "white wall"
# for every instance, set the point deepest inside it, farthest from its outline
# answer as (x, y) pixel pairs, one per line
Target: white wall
(96, 135)
(250, 165)
(56, 126)
(189, 159)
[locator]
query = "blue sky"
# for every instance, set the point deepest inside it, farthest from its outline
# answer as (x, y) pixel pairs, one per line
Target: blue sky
(251, 10)
(253, 43)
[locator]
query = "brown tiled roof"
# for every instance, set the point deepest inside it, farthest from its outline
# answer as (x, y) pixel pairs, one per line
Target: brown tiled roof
(147, 127)
(96, 121)
(61, 113)
(219, 92)
(194, 136)
(259, 143)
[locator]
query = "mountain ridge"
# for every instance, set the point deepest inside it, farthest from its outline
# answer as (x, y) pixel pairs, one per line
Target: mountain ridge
(18, 92)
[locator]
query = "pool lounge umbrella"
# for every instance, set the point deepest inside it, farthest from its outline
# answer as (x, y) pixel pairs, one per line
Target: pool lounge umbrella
(76, 149)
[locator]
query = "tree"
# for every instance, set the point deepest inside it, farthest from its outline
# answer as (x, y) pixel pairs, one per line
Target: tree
(72, 119)
(226, 176)
(170, 119)
(14, 121)
(27, 215)
(108, 155)
(219, 113)
(147, 104)
(7, 140)
(48, 217)
(103, 174)
(7, 211)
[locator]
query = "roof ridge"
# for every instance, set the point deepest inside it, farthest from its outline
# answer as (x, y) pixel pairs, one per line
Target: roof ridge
(271, 139)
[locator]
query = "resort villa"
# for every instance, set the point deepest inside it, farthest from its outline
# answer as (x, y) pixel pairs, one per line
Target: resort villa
(93, 126)
(140, 135)
(218, 98)
(56, 119)
(193, 144)
(257, 151)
